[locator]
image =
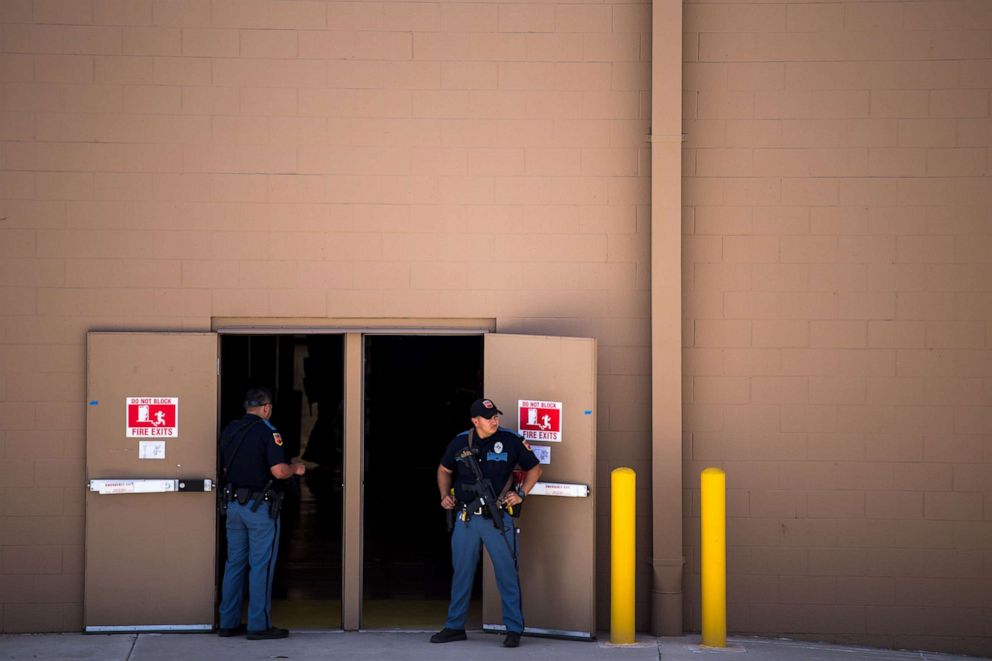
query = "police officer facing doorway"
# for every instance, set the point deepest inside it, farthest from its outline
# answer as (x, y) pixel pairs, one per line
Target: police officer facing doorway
(496, 451)
(252, 459)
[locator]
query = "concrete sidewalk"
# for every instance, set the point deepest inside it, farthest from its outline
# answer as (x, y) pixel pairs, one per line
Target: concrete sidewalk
(413, 646)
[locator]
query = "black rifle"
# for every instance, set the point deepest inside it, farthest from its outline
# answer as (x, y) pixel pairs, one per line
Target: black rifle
(483, 488)
(485, 495)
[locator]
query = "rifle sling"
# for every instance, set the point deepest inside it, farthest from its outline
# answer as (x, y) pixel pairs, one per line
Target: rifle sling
(243, 433)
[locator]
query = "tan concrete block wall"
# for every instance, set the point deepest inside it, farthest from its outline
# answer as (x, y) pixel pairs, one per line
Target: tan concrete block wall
(838, 329)
(163, 162)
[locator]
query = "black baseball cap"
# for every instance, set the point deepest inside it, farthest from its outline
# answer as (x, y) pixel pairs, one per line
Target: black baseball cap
(257, 397)
(483, 408)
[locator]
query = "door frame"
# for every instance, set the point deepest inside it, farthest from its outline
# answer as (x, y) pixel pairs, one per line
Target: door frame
(354, 332)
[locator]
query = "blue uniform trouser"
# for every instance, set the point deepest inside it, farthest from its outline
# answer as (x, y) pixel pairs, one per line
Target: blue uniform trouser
(466, 542)
(252, 544)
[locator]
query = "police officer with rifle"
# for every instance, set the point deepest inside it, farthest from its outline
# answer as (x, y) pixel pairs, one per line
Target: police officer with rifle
(478, 466)
(252, 462)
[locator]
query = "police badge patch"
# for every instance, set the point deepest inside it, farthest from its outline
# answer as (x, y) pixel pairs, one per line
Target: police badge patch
(498, 447)
(277, 438)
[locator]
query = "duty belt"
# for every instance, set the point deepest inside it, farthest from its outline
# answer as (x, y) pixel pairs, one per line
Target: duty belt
(480, 511)
(244, 495)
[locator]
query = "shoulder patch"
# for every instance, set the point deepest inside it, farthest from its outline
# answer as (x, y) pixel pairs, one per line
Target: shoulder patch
(527, 445)
(277, 437)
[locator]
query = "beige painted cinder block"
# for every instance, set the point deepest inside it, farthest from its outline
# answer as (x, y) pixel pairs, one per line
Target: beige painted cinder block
(972, 420)
(63, 12)
(962, 391)
(122, 12)
(417, 17)
(751, 362)
(846, 104)
(896, 162)
(30, 96)
(840, 334)
(91, 40)
(953, 506)
(31, 618)
(703, 362)
(780, 333)
(837, 390)
(526, 18)
(298, 302)
(776, 504)
(268, 72)
(722, 333)
(780, 390)
(957, 162)
(814, 17)
(836, 505)
(60, 68)
(130, 70)
(959, 103)
(894, 505)
(142, 40)
(900, 103)
(266, 43)
(956, 335)
(721, 277)
(720, 390)
(811, 191)
(896, 334)
(17, 68)
(929, 477)
(157, 99)
(231, 13)
(783, 104)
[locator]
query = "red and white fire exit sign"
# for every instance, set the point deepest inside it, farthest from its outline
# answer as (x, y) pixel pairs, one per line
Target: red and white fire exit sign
(152, 416)
(540, 421)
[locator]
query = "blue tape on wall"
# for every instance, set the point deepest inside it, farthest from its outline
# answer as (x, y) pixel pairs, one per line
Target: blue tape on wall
(94, 403)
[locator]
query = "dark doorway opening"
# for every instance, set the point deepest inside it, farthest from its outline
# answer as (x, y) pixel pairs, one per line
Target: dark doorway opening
(306, 375)
(417, 394)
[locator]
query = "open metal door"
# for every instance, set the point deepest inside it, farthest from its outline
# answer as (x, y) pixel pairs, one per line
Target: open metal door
(558, 526)
(151, 430)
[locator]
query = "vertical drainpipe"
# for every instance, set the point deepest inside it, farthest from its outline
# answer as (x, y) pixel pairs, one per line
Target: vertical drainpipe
(666, 317)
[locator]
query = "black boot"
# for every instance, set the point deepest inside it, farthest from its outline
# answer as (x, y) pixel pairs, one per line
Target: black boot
(447, 635)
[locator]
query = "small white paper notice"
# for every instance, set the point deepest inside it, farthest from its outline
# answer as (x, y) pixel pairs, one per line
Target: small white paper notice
(151, 449)
(543, 453)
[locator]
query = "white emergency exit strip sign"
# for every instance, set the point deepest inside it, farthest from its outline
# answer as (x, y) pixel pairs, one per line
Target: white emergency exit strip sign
(560, 489)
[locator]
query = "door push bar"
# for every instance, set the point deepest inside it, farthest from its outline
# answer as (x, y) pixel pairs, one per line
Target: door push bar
(127, 485)
(560, 489)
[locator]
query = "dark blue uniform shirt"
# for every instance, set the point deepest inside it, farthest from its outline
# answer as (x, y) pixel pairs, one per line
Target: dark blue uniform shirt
(498, 455)
(259, 451)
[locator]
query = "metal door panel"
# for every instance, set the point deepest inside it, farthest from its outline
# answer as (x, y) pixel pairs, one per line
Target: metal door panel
(150, 557)
(558, 534)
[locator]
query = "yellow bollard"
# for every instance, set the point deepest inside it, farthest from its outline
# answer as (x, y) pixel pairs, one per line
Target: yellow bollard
(623, 482)
(713, 542)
